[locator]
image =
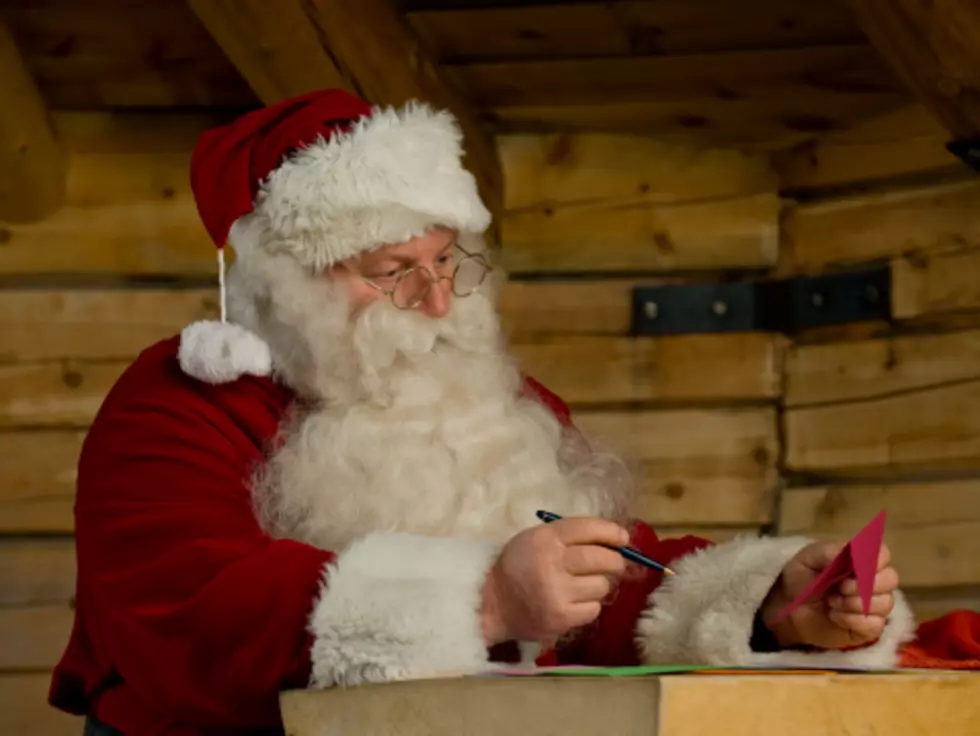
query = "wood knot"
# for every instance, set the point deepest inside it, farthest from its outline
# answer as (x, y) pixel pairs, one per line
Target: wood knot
(5, 235)
(72, 379)
(168, 193)
(674, 490)
(760, 456)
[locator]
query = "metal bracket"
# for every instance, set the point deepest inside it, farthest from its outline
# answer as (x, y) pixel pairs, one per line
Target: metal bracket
(788, 306)
(967, 151)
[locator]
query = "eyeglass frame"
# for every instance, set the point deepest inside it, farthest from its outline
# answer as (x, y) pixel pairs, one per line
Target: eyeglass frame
(433, 279)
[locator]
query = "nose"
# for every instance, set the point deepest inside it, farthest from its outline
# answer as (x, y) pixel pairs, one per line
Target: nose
(437, 302)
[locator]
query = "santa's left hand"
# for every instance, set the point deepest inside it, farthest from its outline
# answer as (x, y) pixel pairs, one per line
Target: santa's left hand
(836, 620)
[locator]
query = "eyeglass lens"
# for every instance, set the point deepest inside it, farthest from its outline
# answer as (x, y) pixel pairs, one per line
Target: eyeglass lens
(413, 285)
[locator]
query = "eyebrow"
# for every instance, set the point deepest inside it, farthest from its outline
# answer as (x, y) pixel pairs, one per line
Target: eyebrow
(406, 258)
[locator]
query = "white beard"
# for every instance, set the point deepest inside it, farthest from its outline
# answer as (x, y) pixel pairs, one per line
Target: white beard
(416, 424)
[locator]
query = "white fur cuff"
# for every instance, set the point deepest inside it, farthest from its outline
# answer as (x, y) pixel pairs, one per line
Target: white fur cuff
(397, 606)
(705, 613)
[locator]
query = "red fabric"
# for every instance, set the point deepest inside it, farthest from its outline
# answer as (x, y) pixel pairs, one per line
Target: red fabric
(949, 642)
(186, 612)
(230, 161)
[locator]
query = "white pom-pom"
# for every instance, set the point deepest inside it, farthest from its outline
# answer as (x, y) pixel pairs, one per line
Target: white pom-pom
(222, 352)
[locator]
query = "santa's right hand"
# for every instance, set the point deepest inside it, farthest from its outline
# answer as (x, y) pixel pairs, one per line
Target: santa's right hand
(550, 579)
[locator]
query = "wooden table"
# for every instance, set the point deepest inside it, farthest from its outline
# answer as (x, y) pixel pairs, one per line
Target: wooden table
(886, 704)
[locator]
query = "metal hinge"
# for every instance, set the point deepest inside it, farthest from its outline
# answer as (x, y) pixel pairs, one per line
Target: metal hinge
(967, 151)
(770, 305)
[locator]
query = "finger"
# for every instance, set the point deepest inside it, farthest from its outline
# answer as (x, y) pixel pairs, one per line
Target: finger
(884, 557)
(582, 614)
(886, 581)
(861, 627)
(881, 605)
(591, 559)
(585, 589)
(591, 530)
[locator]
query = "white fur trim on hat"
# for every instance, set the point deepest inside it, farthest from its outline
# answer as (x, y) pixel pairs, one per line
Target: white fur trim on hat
(394, 175)
(222, 352)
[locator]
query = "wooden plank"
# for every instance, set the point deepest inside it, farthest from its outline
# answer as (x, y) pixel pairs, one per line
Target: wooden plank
(36, 571)
(696, 467)
(937, 428)
(717, 234)
(929, 603)
(545, 170)
(847, 70)
(44, 324)
(364, 45)
(907, 704)
(600, 307)
(932, 529)
(24, 707)
(33, 164)
(41, 324)
(162, 237)
(34, 637)
(931, 284)
(594, 370)
(37, 481)
(120, 54)
(879, 368)
(932, 47)
(769, 120)
(901, 142)
(593, 29)
(882, 225)
(55, 394)
(279, 54)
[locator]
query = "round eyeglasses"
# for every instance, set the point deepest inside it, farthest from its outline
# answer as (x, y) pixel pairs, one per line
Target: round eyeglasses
(412, 286)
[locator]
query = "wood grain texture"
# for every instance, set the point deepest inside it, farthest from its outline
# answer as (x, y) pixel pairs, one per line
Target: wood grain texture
(900, 142)
(690, 368)
(882, 225)
(62, 393)
(932, 529)
(36, 571)
(37, 480)
(33, 638)
(934, 284)
(936, 428)
(120, 54)
(866, 370)
(32, 161)
(712, 235)
(847, 70)
(620, 28)
(24, 708)
(275, 49)
(98, 324)
(696, 467)
(555, 169)
(931, 45)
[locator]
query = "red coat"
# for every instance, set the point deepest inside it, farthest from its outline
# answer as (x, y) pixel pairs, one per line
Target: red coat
(189, 618)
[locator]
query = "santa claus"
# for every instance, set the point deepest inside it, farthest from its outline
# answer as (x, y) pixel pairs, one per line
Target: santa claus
(337, 482)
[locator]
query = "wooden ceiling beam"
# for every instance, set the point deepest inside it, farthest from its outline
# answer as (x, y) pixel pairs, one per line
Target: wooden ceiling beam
(932, 46)
(289, 47)
(32, 163)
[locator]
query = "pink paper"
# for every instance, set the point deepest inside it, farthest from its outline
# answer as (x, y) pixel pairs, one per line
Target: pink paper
(858, 559)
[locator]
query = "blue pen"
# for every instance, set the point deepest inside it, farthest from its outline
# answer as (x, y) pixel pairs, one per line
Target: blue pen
(628, 552)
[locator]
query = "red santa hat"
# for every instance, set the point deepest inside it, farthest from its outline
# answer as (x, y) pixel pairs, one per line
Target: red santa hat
(330, 176)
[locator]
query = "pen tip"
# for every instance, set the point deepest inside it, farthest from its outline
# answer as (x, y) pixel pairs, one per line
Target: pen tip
(668, 571)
